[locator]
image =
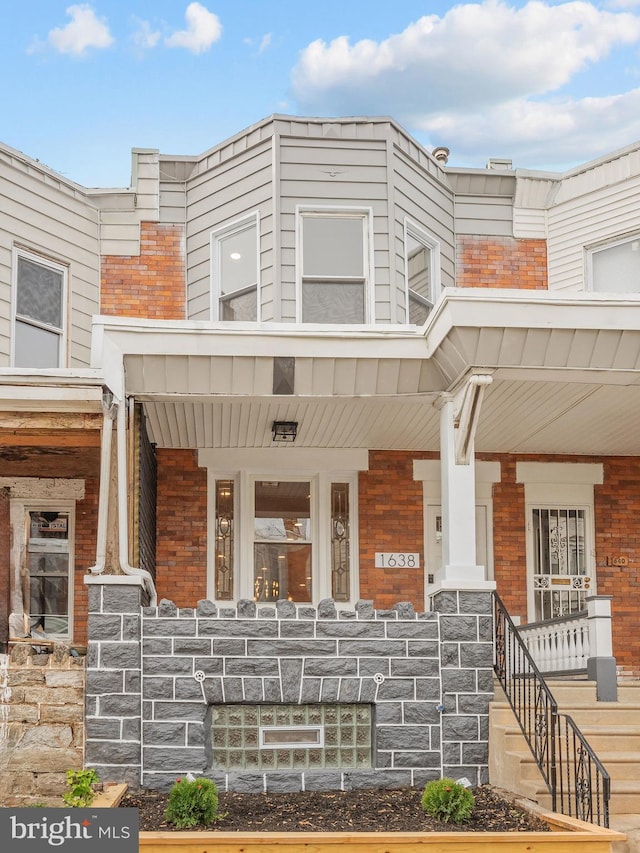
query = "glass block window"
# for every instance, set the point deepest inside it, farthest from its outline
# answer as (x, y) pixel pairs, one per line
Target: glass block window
(291, 737)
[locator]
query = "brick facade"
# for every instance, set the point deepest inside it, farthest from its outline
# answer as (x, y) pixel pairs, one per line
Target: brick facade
(149, 285)
(181, 549)
(501, 262)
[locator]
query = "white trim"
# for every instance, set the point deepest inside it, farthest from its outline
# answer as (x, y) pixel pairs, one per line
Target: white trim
(285, 459)
(556, 473)
(62, 331)
(363, 212)
(422, 236)
(228, 228)
(320, 483)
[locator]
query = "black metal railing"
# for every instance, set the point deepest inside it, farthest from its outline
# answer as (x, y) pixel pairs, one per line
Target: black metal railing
(577, 781)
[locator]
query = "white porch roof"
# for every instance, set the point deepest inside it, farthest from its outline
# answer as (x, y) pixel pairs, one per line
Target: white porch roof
(566, 376)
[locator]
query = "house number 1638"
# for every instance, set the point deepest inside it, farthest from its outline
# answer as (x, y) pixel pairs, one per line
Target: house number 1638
(397, 560)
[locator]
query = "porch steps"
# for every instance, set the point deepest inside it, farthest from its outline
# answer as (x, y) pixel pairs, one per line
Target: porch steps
(611, 728)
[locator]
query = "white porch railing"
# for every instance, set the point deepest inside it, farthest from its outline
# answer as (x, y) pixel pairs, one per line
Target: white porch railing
(559, 645)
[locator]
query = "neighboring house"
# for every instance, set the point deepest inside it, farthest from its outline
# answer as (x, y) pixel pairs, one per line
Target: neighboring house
(325, 369)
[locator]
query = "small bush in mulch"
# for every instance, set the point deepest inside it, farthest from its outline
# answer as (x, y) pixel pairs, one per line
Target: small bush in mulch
(371, 810)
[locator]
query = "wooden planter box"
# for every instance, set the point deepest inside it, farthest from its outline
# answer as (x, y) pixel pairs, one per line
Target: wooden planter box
(567, 836)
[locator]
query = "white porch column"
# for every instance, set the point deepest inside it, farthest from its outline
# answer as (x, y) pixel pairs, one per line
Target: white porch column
(460, 570)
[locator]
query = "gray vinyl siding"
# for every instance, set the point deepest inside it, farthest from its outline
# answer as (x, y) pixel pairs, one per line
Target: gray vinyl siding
(223, 193)
(484, 201)
(334, 173)
(48, 216)
(428, 203)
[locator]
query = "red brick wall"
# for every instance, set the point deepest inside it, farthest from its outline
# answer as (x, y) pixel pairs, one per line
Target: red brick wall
(151, 284)
(501, 262)
(390, 517)
(181, 550)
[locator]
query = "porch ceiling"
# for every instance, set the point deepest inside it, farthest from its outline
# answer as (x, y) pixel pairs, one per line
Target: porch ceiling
(565, 369)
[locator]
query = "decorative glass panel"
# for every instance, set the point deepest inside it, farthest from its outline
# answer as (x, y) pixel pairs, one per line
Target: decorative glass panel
(340, 523)
(224, 539)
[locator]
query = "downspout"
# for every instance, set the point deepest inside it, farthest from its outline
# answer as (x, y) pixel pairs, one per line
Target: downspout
(123, 514)
(109, 410)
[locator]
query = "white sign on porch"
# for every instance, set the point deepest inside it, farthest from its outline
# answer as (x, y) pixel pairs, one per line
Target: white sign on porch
(397, 560)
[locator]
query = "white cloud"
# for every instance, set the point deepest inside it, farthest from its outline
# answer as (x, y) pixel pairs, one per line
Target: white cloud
(483, 73)
(84, 31)
(265, 41)
(144, 37)
(203, 29)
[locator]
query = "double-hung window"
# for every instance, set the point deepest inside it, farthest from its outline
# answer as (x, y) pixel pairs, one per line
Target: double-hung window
(615, 267)
(335, 266)
(422, 268)
(39, 314)
(236, 269)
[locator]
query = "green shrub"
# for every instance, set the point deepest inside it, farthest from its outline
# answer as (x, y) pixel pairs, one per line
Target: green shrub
(448, 801)
(80, 793)
(192, 802)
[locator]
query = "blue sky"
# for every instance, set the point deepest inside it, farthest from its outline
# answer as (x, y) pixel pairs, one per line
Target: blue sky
(548, 84)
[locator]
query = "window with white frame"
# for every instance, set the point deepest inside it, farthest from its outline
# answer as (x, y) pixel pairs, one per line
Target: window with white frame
(39, 311)
(615, 267)
(422, 269)
(282, 536)
(235, 261)
(334, 266)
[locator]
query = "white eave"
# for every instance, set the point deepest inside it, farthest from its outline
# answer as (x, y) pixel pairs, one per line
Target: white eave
(61, 390)
(565, 369)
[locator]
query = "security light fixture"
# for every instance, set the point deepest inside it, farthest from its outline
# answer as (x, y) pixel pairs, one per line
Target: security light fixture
(284, 431)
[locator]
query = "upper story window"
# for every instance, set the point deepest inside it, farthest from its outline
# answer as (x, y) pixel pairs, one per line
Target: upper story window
(422, 259)
(235, 270)
(39, 315)
(334, 263)
(615, 268)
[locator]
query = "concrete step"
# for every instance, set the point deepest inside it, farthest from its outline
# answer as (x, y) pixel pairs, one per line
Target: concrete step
(610, 714)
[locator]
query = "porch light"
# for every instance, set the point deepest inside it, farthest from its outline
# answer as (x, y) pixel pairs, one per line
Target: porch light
(284, 431)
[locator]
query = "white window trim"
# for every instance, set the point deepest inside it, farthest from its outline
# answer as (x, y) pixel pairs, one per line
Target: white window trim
(364, 213)
(602, 246)
(414, 230)
(18, 508)
(228, 228)
(320, 529)
(42, 260)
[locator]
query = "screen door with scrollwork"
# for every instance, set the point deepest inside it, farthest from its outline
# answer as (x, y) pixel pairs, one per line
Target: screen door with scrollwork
(561, 573)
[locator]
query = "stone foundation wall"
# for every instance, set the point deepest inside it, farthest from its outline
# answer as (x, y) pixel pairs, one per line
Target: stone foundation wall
(41, 723)
(155, 674)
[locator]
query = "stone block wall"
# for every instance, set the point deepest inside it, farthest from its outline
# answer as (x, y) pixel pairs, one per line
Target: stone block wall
(41, 723)
(427, 677)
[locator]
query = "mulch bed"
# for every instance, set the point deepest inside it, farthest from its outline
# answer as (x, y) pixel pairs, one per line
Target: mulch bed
(373, 810)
